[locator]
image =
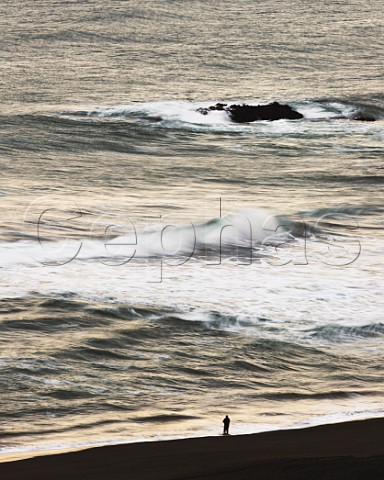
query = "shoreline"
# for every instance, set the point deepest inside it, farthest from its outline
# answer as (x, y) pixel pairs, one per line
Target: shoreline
(12, 454)
(348, 450)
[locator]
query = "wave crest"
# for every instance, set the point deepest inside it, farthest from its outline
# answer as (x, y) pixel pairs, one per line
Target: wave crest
(185, 114)
(342, 333)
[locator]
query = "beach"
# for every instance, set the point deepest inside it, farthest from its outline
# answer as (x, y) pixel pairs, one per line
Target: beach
(349, 450)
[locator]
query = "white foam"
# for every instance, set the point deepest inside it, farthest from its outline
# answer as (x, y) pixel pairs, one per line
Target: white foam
(320, 118)
(171, 111)
(243, 229)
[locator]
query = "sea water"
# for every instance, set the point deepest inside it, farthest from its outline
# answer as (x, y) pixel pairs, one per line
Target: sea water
(159, 268)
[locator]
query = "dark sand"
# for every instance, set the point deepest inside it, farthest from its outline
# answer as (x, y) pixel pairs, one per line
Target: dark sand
(350, 451)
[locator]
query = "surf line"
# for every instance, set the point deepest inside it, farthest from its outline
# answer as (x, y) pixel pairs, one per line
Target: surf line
(242, 237)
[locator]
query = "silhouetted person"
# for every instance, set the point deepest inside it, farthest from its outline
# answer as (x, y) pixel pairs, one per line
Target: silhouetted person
(226, 422)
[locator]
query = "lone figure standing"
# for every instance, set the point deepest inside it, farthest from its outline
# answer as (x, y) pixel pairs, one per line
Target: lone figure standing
(226, 422)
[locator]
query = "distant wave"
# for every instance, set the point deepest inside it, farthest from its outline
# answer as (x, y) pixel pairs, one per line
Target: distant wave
(347, 210)
(344, 333)
(336, 394)
(184, 115)
(146, 128)
(244, 234)
(164, 418)
(248, 230)
(63, 315)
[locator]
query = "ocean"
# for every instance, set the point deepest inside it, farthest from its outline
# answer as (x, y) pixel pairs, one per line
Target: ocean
(160, 268)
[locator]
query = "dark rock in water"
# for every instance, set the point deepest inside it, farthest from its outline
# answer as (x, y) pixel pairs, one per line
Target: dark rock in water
(362, 117)
(272, 111)
(218, 106)
(153, 118)
(206, 110)
(250, 113)
(359, 117)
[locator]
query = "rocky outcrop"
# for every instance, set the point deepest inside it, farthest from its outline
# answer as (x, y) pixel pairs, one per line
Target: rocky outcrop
(363, 117)
(251, 113)
(272, 111)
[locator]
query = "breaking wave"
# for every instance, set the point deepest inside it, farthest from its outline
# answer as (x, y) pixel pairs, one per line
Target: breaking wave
(346, 333)
(184, 115)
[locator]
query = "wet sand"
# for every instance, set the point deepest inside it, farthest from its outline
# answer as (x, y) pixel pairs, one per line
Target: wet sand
(344, 451)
